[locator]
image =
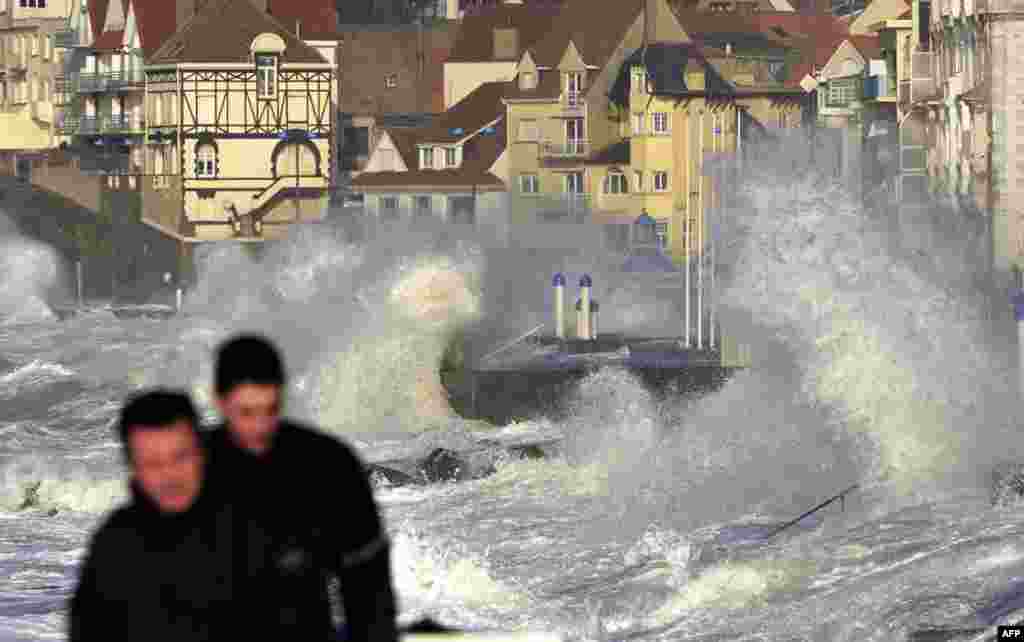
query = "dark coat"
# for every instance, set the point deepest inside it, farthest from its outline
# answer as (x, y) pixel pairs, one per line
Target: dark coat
(311, 501)
(155, 577)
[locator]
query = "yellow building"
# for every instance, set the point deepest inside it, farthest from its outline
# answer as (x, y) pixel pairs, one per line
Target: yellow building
(239, 128)
(615, 112)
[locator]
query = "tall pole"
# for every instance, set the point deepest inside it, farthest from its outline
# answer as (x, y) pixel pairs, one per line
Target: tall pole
(717, 200)
(686, 245)
(79, 283)
(700, 234)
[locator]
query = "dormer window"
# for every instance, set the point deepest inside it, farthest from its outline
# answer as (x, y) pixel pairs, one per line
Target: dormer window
(450, 159)
(638, 80)
(266, 76)
(426, 158)
(573, 88)
(528, 80)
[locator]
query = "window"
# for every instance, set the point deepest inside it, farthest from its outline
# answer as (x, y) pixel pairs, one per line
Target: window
(660, 181)
(638, 181)
(638, 124)
(266, 76)
(574, 182)
(638, 80)
(449, 157)
(423, 206)
(389, 207)
(615, 183)
(573, 88)
(391, 81)
(660, 123)
(47, 47)
(206, 161)
(842, 91)
(35, 44)
(528, 184)
(527, 80)
(426, 157)
(528, 131)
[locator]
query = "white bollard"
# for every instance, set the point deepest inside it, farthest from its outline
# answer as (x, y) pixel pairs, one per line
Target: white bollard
(177, 300)
(584, 317)
(559, 284)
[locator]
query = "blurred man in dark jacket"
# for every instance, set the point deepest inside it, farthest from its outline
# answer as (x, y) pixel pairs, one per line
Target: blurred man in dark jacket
(310, 493)
(163, 567)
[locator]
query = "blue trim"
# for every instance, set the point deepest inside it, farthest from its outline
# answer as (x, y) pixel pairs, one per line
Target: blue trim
(1018, 305)
(277, 136)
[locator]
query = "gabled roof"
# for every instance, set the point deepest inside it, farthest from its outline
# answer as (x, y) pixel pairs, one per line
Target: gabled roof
(475, 42)
(206, 37)
(478, 155)
(596, 32)
(155, 21)
(97, 16)
(479, 108)
(870, 47)
(317, 18)
(666, 66)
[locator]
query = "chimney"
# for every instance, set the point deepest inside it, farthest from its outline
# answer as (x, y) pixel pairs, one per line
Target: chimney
(298, 29)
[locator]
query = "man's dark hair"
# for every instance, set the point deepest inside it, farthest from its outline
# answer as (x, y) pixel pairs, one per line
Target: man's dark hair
(247, 358)
(155, 408)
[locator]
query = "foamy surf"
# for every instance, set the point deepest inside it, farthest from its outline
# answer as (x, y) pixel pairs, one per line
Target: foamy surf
(31, 483)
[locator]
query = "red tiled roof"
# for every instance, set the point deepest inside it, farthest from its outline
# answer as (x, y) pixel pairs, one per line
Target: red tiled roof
(869, 46)
(155, 20)
(97, 16)
(475, 42)
(317, 18)
(596, 33)
(110, 40)
(481, 106)
(205, 37)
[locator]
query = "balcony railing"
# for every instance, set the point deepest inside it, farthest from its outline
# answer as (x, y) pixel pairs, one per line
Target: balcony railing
(573, 102)
(567, 149)
(89, 125)
(92, 82)
(881, 86)
(127, 79)
(66, 38)
(123, 124)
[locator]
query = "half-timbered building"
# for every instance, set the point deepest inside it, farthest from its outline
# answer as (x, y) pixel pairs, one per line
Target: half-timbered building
(239, 127)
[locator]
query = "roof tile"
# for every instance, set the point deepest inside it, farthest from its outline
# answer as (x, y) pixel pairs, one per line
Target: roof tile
(205, 38)
(475, 42)
(156, 23)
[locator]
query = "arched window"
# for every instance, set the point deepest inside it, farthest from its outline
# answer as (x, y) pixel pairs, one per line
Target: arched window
(206, 161)
(295, 159)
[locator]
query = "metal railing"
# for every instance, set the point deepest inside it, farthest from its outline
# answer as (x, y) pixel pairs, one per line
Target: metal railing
(122, 123)
(569, 148)
(92, 82)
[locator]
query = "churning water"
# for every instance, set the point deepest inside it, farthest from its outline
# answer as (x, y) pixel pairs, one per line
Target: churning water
(874, 365)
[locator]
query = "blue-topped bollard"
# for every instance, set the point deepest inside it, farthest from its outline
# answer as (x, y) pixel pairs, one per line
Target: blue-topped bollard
(559, 284)
(583, 313)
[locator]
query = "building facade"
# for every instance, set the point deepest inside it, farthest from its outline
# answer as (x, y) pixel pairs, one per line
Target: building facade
(236, 150)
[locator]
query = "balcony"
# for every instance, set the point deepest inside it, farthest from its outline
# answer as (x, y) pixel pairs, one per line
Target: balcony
(88, 125)
(567, 149)
(92, 83)
(124, 80)
(573, 103)
(66, 39)
(100, 164)
(881, 88)
(123, 124)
